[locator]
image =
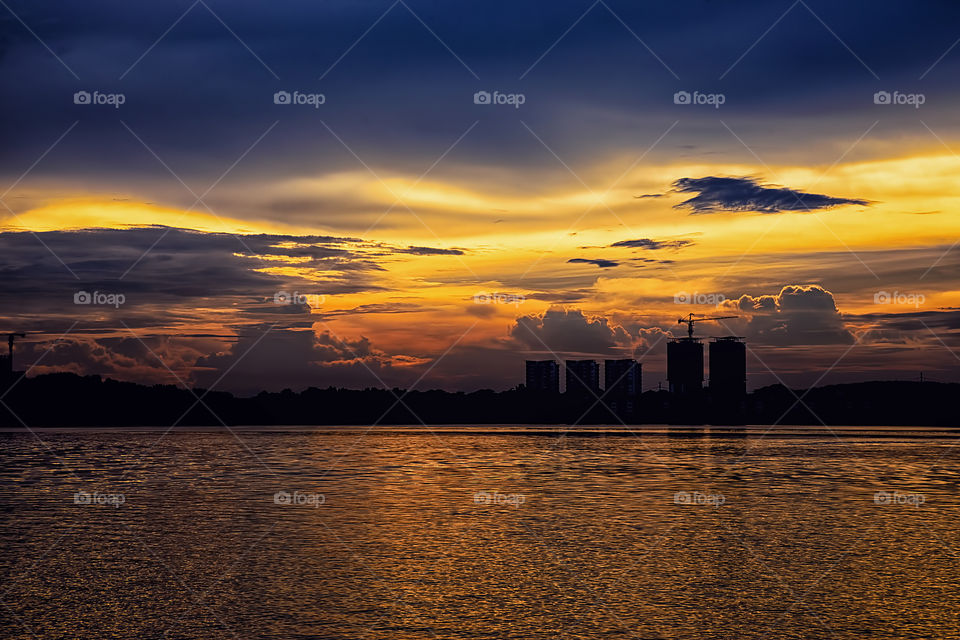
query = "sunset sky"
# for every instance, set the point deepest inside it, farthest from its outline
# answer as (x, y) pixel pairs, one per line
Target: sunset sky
(602, 208)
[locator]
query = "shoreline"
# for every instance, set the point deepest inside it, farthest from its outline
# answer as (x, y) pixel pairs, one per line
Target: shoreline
(674, 431)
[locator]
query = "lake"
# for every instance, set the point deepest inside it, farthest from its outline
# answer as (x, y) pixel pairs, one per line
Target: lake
(510, 532)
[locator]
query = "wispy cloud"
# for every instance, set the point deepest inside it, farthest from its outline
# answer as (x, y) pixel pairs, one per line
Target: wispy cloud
(648, 243)
(600, 262)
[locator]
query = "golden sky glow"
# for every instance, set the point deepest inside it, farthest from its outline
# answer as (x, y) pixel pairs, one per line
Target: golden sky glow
(520, 244)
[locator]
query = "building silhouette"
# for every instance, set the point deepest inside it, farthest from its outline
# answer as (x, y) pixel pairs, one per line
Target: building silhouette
(583, 377)
(728, 368)
(622, 385)
(543, 376)
(685, 365)
(622, 378)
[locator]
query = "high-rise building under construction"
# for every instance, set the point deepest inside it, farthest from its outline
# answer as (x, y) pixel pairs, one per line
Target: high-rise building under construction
(728, 368)
(685, 365)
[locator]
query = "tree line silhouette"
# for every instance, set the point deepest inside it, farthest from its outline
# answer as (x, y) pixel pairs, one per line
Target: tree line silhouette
(70, 400)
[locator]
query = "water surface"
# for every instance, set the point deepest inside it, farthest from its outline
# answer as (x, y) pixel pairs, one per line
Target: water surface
(408, 534)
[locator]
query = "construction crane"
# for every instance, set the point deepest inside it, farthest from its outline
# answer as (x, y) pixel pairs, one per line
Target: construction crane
(10, 338)
(690, 320)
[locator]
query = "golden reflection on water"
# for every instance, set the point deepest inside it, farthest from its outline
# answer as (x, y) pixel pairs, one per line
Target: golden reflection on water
(408, 536)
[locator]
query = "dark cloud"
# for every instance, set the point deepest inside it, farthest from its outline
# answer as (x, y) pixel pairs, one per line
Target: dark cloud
(798, 315)
(266, 357)
(167, 276)
(746, 194)
(201, 116)
(481, 310)
(174, 281)
(386, 307)
(430, 251)
(292, 308)
(647, 243)
(941, 322)
(652, 261)
(567, 296)
(125, 358)
(600, 262)
(570, 332)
